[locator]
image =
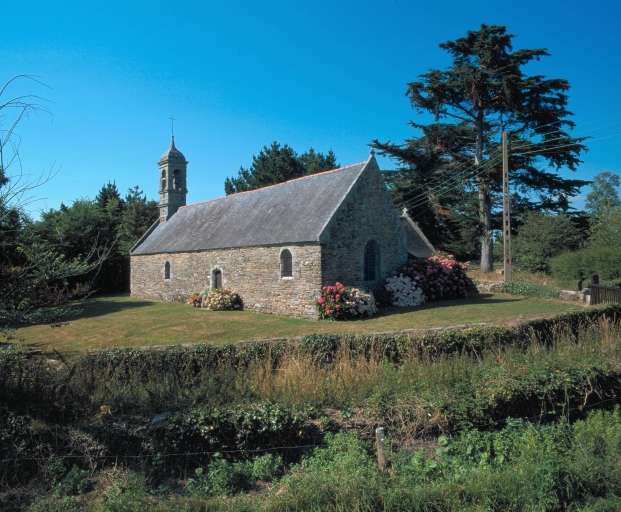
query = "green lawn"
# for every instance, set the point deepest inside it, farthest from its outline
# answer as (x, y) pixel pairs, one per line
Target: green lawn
(122, 321)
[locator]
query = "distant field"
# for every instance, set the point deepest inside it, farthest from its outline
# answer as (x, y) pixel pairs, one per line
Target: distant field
(122, 321)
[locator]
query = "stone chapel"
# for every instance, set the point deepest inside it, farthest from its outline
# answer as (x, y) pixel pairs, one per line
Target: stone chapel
(275, 246)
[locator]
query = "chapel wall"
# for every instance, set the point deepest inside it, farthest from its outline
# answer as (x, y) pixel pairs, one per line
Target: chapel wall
(367, 213)
(253, 272)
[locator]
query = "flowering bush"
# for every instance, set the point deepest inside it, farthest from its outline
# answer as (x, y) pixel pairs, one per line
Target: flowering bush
(361, 303)
(196, 300)
(338, 302)
(220, 299)
(440, 277)
(405, 291)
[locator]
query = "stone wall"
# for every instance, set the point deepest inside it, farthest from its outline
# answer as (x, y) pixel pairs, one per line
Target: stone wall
(367, 213)
(253, 272)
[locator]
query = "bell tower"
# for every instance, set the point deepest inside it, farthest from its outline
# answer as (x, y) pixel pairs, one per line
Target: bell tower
(173, 181)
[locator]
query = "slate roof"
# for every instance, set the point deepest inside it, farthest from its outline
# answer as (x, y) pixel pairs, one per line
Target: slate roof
(418, 245)
(291, 212)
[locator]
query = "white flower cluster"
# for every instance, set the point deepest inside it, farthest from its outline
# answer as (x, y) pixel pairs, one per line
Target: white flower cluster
(404, 291)
(361, 303)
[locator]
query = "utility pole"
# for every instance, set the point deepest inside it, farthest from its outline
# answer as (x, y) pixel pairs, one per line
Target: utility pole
(506, 218)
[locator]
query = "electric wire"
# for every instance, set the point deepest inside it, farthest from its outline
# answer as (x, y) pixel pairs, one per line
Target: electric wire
(564, 137)
(461, 177)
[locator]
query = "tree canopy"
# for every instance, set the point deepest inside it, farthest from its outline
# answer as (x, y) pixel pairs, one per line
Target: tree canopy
(276, 164)
(451, 174)
(604, 195)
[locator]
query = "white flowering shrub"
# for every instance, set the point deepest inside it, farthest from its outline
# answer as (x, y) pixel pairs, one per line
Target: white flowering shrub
(361, 303)
(405, 291)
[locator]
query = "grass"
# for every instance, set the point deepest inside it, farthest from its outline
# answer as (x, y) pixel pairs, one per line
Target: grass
(122, 321)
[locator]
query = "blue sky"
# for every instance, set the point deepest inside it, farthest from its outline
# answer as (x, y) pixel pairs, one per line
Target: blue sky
(238, 75)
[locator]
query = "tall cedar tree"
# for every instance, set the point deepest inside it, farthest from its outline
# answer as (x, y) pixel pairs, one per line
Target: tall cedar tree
(483, 93)
(277, 164)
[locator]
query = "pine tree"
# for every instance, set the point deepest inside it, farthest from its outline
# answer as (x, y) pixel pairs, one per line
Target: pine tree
(483, 93)
(277, 164)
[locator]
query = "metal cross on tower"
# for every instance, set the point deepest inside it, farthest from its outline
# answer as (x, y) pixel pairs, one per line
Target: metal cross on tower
(172, 124)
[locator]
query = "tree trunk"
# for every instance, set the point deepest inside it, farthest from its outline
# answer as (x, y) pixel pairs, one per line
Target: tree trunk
(485, 213)
(485, 204)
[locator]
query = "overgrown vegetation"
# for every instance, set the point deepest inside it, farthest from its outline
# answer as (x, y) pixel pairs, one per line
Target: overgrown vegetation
(232, 406)
(529, 289)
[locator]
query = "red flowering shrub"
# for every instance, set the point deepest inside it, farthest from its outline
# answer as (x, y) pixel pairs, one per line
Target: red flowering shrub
(339, 302)
(441, 277)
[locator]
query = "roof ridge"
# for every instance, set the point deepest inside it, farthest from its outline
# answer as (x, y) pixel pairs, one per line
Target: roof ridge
(276, 184)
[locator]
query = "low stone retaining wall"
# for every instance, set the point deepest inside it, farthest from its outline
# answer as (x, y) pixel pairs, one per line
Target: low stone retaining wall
(496, 287)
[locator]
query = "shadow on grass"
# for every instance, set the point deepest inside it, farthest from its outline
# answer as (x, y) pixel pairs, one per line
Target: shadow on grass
(95, 307)
(482, 298)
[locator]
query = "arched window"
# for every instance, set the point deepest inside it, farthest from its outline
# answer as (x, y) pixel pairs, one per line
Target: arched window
(166, 270)
(371, 261)
(176, 184)
(216, 279)
(286, 264)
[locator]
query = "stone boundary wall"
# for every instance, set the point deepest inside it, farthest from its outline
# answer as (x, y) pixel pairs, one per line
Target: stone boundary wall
(496, 287)
(253, 272)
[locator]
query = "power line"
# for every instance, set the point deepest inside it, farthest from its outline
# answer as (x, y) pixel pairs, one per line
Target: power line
(461, 177)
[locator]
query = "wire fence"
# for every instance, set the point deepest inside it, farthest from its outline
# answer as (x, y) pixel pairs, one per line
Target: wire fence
(494, 423)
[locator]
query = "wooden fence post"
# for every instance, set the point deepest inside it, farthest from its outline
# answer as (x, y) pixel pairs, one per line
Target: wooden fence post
(381, 458)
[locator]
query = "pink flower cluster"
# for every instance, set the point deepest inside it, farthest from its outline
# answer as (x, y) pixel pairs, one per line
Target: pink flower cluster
(441, 277)
(339, 302)
(196, 300)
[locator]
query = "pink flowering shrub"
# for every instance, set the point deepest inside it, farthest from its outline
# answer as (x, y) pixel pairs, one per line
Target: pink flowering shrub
(221, 299)
(339, 303)
(440, 277)
(196, 300)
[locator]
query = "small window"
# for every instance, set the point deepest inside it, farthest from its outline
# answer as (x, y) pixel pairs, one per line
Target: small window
(163, 184)
(371, 261)
(216, 279)
(286, 264)
(163, 174)
(166, 270)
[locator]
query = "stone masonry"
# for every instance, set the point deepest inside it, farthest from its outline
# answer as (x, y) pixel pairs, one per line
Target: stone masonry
(367, 213)
(253, 272)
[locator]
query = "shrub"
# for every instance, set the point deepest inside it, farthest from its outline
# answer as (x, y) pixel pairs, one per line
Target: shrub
(221, 299)
(543, 236)
(339, 302)
(75, 482)
(196, 300)
(405, 291)
(529, 289)
(361, 303)
(579, 265)
(440, 277)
